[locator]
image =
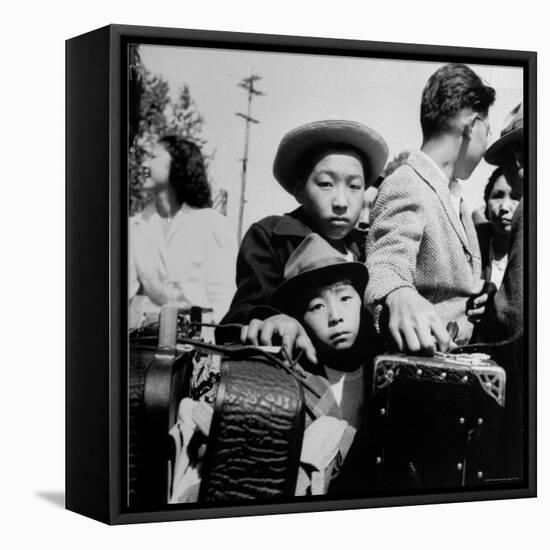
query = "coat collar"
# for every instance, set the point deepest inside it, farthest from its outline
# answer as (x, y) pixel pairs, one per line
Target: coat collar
(294, 225)
(434, 177)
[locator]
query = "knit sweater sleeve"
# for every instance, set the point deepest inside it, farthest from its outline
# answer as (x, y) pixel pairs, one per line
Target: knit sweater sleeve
(397, 226)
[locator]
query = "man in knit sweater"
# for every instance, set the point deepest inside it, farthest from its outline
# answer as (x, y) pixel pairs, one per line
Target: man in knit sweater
(422, 252)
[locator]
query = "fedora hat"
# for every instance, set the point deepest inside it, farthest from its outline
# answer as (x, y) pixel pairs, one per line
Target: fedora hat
(313, 261)
(303, 142)
(511, 132)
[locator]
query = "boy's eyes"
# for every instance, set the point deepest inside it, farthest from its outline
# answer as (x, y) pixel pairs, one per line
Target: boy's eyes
(317, 306)
(354, 185)
(324, 183)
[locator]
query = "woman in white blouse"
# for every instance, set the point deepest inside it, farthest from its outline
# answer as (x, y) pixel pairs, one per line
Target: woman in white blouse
(181, 250)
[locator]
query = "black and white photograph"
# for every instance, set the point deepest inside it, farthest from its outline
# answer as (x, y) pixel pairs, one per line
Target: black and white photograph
(275, 275)
(326, 267)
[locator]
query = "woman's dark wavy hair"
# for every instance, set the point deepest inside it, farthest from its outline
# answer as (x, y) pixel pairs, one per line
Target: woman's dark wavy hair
(450, 89)
(489, 187)
(187, 172)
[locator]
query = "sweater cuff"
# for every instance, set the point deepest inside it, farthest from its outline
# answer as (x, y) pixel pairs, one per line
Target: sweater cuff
(383, 283)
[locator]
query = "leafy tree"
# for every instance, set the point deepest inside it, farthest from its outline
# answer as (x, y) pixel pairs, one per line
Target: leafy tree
(158, 116)
(185, 119)
(152, 122)
(135, 84)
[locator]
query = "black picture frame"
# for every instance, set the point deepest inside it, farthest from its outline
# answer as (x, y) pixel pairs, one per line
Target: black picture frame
(96, 254)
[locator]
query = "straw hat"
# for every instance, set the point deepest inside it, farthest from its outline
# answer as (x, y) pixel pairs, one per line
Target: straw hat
(303, 142)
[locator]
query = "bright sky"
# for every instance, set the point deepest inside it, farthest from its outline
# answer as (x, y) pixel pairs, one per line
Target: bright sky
(300, 88)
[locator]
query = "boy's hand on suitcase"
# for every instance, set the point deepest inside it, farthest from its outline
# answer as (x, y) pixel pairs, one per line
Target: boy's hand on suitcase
(284, 328)
(414, 323)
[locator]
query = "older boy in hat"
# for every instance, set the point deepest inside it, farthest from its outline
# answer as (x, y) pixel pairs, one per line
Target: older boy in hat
(327, 166)
(323, 291)
(422, 254)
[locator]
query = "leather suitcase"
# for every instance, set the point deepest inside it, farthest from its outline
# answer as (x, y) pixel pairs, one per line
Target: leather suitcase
(158, 379)
(157, 383)
(256, 433)
(257, 427)
(434, 421)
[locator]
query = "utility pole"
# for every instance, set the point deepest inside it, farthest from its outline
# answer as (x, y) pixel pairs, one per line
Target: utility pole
(248, 85)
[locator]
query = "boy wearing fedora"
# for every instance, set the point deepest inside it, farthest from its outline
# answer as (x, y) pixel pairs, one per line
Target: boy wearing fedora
(323, 291)
(422, 252)
(326, 166)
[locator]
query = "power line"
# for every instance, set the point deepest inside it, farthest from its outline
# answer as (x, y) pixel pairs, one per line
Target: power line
(248, 85)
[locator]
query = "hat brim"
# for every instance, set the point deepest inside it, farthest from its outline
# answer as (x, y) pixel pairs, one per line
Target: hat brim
(498, 153)
(286, 296)
(304, 141)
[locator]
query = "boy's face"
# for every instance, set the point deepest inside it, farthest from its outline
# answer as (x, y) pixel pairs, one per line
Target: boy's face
(332, 316)
(332, 195)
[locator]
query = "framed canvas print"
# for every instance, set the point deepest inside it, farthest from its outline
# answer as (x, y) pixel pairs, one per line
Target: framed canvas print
(300, 274)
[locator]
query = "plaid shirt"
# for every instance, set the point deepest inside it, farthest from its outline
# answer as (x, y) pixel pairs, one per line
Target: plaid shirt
(319, 401)
(318, 396)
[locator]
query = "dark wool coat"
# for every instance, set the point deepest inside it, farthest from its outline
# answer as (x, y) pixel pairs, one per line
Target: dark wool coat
(504, 317)
(484, 235)
(261, 261)
(509, 298)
